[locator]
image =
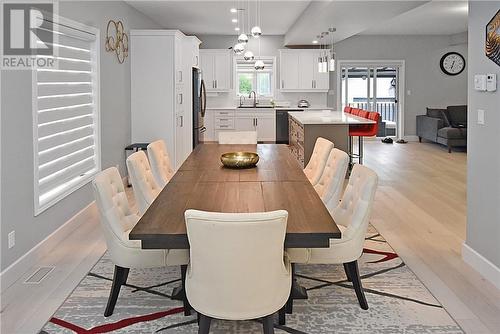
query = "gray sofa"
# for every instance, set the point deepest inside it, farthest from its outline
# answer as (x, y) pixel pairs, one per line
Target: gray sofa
(444, 126)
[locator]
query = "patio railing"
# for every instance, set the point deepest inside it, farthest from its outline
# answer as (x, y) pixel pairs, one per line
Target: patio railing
(388, 110)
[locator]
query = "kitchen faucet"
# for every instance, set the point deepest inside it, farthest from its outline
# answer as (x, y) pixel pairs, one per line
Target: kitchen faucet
(254, 98)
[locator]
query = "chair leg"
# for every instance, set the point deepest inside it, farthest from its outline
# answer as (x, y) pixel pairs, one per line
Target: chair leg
(346, 269)
(449, 149)
(419, 139)
(282, 315)
(268, 324)
(119, 278)
(204, 324)
(356, 282)
(185, 302)
(360, 148)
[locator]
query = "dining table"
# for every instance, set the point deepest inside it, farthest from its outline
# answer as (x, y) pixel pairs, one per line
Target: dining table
(277, 182)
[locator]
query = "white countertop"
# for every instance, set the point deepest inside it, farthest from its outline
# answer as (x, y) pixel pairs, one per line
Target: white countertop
(332, 117)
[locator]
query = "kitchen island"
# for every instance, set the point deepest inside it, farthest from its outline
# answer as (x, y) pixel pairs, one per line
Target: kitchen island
(306, 127)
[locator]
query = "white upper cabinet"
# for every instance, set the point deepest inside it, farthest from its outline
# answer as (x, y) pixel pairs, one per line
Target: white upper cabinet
(289, 70)
(299, 71)
(216, 69)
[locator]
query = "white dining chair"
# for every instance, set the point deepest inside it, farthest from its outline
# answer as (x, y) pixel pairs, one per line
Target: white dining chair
(160, 162)
(237, 268)
(117, 220)
(352, 216)
(238, 137)
(331, 182)
(317, 163)
(143, 183)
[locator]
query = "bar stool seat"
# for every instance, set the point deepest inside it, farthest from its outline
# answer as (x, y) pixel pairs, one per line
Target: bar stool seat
(361, 131)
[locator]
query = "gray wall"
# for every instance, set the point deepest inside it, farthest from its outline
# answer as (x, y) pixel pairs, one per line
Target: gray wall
(483, 161)
(429, 86)
(17, 137)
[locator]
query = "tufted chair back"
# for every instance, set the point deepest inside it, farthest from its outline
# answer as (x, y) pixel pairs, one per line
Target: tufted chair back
(143, 182)
(331, 183)
(237, 269)
(160, 162)
(238, 137)
(317, 163)
(356, 205)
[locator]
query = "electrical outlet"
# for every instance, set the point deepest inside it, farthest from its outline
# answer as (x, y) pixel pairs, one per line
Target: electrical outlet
(12, 239)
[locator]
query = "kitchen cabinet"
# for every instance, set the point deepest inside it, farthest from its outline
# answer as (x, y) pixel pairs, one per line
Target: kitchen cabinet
(247, 119)
(216, 68)
(160, 93)
(299, 71)
(289, 70)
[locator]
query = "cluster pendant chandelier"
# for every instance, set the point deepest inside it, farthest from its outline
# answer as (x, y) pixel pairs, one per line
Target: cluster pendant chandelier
(256, 32)
(326, 59)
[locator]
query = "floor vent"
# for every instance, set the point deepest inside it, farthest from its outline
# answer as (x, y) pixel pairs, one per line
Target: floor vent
(39, 275)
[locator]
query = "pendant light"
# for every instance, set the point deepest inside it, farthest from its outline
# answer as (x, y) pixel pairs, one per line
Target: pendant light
(331, 64)
(239, 47)
(243, 38)
(248, 56)
(259, 64)
(256, 31)
(320, 58)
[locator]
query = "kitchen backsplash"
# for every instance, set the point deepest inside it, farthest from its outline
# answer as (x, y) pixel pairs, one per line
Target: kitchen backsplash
(229, 99)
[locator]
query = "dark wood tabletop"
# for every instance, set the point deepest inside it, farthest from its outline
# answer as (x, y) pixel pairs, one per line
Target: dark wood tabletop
(202, 183)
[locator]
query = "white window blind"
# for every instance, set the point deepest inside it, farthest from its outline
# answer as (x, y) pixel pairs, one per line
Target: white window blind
(66, 115)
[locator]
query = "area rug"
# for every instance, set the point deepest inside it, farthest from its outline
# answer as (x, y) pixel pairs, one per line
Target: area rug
(398, 302)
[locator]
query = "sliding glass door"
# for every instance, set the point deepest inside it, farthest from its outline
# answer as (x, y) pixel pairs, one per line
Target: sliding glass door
(374, 88)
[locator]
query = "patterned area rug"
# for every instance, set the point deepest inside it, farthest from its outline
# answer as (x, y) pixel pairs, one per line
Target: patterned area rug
(398, 301)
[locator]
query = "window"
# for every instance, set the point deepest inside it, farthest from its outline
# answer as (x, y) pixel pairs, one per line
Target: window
(249, 79)
(66, 115)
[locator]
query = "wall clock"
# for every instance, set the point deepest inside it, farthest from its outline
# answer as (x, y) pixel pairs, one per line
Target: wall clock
(452, 63)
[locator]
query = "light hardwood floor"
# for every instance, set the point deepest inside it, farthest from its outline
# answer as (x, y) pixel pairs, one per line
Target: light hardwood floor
(420, 209)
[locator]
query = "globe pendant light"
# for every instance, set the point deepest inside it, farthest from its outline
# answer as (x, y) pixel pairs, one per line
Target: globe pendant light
(256, 32)
(248, 56)
(239, 48)
(243, 38)
(259, 65)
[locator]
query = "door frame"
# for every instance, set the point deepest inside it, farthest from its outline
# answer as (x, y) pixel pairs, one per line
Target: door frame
(401, 88)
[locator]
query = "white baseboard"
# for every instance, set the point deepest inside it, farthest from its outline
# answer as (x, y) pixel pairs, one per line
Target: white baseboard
(411, 138)
(17, 269)
(482, 265)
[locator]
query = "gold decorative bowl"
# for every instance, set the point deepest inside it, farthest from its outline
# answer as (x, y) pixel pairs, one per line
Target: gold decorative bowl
(239, 159)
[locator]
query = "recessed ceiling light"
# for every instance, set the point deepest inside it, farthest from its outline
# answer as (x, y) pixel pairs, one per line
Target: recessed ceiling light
(237, 29)
(315, 42)
(233, 10)
(234, 20)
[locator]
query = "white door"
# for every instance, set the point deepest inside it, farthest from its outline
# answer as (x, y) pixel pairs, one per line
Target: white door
(266, 129)
(289, 70)
(222, 68)
(307, 70)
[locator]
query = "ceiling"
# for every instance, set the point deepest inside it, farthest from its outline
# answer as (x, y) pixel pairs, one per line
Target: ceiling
(432, 18)
(300, 21)
(214, 18)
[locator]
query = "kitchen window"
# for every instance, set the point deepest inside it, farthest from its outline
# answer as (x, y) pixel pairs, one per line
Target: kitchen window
(66, 115)
(248, 79)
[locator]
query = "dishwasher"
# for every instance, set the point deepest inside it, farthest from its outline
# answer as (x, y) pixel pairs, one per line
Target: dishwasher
(282, 125)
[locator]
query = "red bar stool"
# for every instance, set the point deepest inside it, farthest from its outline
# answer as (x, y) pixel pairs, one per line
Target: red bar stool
(347, 110)
(361, 131)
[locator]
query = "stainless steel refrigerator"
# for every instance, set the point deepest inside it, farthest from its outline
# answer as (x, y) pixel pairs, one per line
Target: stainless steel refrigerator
(199, 107)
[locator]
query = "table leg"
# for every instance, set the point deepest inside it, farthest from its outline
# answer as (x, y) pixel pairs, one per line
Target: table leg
(179, 293)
